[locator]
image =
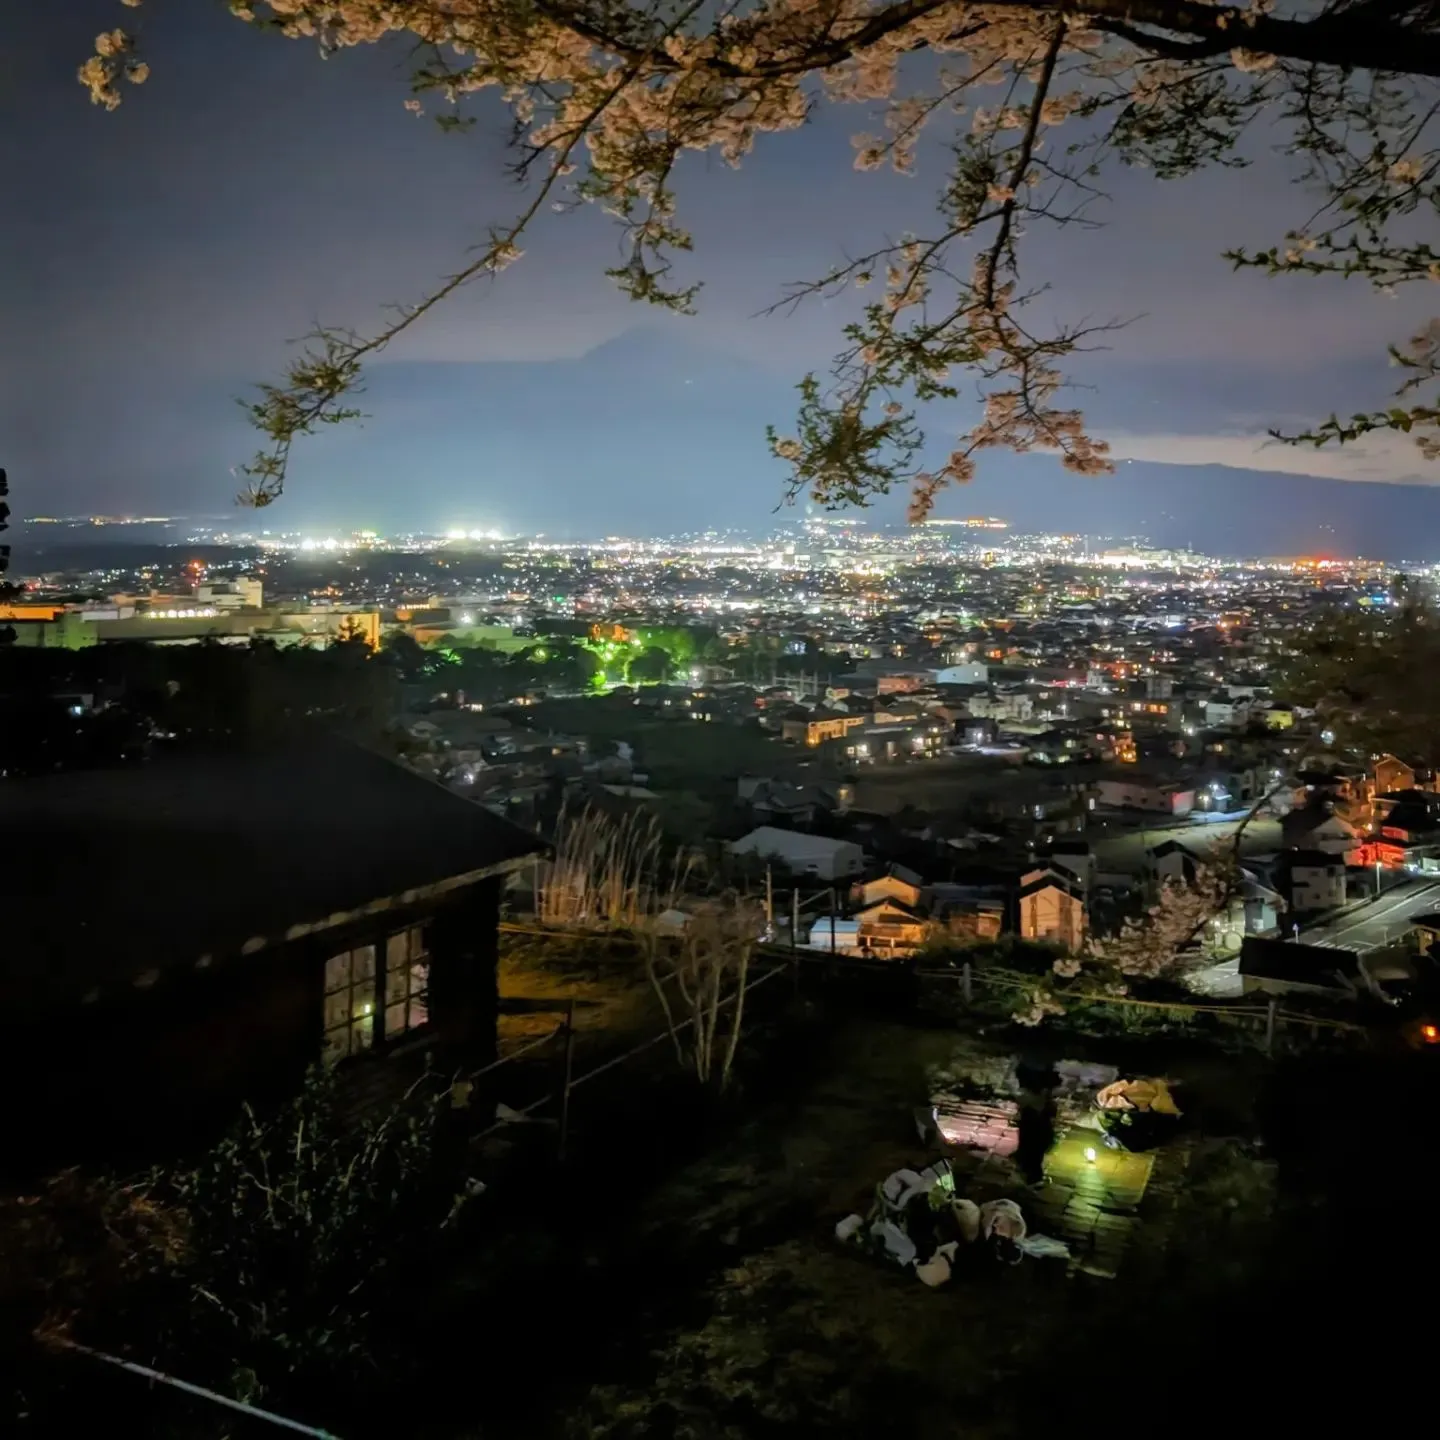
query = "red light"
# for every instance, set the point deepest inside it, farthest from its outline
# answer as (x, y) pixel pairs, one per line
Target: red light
(1430, 1034)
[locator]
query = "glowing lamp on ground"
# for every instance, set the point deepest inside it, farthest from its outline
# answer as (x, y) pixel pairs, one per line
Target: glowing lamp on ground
(1090, 1154)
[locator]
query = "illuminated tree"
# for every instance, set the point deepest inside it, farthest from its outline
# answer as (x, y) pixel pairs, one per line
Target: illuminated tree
(1153, 945)
(608, 95)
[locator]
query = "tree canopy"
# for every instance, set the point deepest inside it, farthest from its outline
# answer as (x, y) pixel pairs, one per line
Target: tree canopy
(1030, 98)
(1373, 677)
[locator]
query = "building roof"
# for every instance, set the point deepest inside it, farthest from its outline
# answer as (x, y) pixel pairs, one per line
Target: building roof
(771, 840)
(1049, 880)
(1293, 963)
(1312, 859)
(121, 872)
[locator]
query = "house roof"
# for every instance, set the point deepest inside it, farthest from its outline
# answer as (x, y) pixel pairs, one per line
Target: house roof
(1285, 960)
(1049, 880)
(903, 874)
(125, 871)
(769, 840)
(1312, 859)
(1311, 820)
(888, 903)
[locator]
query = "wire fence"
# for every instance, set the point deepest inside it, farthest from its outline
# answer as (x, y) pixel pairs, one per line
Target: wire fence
(566, 1032)
(1268, 1018)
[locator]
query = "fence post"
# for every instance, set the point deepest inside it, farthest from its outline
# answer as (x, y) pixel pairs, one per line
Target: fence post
(1270, 1026)
(965, 989)
(564, 1134)
(795, 942)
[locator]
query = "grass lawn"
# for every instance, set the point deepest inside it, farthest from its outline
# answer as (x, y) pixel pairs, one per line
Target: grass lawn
(603, 976)
(765, 1326)
(945, 784)
(680, 754)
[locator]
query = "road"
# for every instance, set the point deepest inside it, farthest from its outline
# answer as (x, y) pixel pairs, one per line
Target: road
(1375, 925)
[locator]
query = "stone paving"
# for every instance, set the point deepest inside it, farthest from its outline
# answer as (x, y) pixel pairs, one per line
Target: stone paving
(1107, 1205)
(979, 1125)
(1090, 1198)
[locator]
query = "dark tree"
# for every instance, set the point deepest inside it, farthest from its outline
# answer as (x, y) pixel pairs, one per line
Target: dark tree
(1373, 677)
(8, 591)
(651, 666)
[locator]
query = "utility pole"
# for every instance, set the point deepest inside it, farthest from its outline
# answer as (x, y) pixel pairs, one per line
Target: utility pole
(769, 902)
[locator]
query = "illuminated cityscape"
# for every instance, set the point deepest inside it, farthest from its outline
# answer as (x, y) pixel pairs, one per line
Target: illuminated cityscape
(750, 751)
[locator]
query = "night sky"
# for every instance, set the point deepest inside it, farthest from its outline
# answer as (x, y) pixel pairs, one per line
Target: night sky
(158, 259)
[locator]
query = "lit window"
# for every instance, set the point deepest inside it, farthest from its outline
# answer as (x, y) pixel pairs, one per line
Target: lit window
(349, 1003)
(407, 978)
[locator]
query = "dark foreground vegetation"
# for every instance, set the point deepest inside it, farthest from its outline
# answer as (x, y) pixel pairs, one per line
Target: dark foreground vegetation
(677, 1276)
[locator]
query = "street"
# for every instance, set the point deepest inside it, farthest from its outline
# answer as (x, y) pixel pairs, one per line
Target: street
(1372, 926)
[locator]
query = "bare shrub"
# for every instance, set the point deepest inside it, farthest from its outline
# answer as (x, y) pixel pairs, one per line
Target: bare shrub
(699, 970)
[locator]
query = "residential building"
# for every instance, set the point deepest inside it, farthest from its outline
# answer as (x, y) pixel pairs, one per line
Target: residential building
(890, 929)
(818, 726)
(1226, 714)
(778, 801)
(1161, 797)
(1316, 826)
(897, 883)
(1171, 861)
(1315, 879)
(1051, 909)
(1393, 776)
(1073, 858)
(973, 672)
(836, 934)
(219, 924)
(815, 857)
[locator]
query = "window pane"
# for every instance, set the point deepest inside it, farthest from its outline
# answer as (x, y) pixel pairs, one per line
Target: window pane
(419, 994)
(362, 1034)
(337, 1009)
(337, 973)
(396, 984)
(418, 947)
(336, 1046)
(395, 1020)
(397, 950)
(363, 963)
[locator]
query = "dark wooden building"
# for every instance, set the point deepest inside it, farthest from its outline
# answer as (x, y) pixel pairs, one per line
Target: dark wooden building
(184, 935)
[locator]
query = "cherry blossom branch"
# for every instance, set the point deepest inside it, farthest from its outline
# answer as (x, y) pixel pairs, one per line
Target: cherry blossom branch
(612, 92)
(1022, 164)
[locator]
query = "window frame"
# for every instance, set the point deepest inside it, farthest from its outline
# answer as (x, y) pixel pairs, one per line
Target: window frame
(415, 970)
(383, 997)
(359, 991)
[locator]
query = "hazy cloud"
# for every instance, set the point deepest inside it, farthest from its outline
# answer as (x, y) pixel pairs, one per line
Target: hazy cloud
(1383, 459)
